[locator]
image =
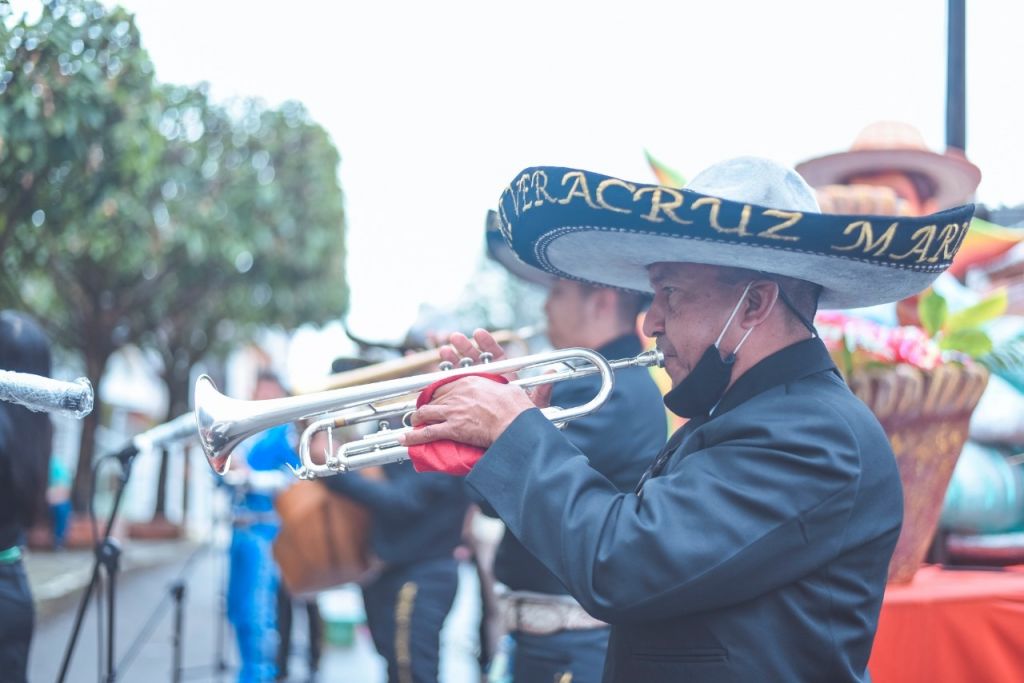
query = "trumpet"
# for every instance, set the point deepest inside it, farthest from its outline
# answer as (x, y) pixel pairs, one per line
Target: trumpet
(225, 422)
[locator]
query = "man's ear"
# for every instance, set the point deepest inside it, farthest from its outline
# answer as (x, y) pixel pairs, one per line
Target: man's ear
(761, 300)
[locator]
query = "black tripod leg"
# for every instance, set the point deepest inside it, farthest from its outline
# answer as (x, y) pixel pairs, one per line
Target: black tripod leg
(107, 553)
(178, 591)
(112, 565)
(82, 606)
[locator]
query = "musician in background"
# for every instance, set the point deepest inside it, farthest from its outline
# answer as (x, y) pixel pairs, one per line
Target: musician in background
(25, 439)
(416, 526)
(555, 639)
(253, 578)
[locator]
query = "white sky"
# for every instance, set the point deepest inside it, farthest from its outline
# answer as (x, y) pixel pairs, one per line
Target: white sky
(434, 106)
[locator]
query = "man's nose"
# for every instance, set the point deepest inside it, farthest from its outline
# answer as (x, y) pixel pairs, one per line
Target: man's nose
(654, 321)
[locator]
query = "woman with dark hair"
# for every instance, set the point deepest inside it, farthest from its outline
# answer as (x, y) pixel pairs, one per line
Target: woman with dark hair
(25, 439)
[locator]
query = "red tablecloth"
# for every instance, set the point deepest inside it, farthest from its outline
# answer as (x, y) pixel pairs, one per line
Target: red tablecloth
(952, 626)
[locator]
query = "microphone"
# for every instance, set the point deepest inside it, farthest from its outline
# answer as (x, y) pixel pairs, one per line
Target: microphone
(178, 429)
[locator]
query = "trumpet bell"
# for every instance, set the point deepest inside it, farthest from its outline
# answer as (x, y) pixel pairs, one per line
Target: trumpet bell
(215, 426)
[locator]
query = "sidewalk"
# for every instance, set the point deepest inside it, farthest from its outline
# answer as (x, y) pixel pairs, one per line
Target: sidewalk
(209, 651)
(59, 577)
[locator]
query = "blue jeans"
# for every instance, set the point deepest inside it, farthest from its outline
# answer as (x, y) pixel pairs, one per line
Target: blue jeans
(252, 602)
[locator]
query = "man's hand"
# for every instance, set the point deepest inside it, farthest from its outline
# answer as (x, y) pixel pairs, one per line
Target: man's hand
(472, 410)
(459, 346)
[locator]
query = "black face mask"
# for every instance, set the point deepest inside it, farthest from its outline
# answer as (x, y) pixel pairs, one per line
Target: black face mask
(702, 389)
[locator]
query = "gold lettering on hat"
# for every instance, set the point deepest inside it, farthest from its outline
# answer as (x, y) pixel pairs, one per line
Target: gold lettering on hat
(578, 189)
(792, 218)
(716, 204)
(866, 239)
(523, 185)
(511, 193)
(540, 184)
(963, 235)
(948, 237)
(922, 237)
(504, 225)
(658, 206)
(604, 185)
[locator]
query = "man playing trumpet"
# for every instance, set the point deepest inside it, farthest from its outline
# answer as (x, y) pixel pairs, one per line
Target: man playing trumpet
(756, 545)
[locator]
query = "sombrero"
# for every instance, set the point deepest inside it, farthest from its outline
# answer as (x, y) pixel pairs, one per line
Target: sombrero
(499, 250)
(895, 146)
(748, 212)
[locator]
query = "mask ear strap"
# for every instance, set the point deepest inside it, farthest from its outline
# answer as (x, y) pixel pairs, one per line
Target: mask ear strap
(735, 310)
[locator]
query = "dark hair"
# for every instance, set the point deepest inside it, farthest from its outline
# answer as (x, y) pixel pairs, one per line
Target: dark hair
(924, 187)
(25, 436)
(265, 375)
(344, 364)
(628, 304)
(799, 296)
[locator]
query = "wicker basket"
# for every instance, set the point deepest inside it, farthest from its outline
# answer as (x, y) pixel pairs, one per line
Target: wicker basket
(925, 414)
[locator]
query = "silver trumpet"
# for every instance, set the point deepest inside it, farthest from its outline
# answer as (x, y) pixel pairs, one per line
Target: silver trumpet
(225, 422)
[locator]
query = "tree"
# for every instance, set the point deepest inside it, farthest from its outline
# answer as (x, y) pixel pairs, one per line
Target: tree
(137, 214)
(79, 152)
(254, 193)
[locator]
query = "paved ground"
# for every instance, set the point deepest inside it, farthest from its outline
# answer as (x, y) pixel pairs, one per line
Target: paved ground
(144, 636)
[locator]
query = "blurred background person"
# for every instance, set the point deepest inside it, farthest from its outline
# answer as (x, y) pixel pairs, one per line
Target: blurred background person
(25, 441)
(416, 527)
(554, 638)
(286, 605)
(892, 156)
(889, 171)
(253, 576)
(58, 497)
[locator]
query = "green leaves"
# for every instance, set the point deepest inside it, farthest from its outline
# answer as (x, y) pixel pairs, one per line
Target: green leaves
(988, 309)
(972, 342)
(960, 331)
(932, 310)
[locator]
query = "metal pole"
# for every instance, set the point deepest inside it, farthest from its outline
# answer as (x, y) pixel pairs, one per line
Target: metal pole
(956, 80)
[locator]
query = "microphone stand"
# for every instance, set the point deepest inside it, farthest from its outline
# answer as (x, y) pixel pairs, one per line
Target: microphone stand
(108, 550)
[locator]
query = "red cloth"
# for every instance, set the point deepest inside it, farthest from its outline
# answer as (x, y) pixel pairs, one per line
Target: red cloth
(951, 626)
(450, 457)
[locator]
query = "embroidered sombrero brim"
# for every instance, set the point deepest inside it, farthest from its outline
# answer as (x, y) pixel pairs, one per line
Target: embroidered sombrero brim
(591, 227)
(955, 178)
(499, 250)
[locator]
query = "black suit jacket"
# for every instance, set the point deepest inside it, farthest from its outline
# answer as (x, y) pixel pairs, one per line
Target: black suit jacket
(760, 550)
(619, 440)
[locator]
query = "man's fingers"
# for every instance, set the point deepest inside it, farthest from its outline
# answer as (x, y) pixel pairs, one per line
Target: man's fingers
(465, 347)
(427, 434)
(428, 414)
(485, 341)
(541, 395)
(449, 354)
